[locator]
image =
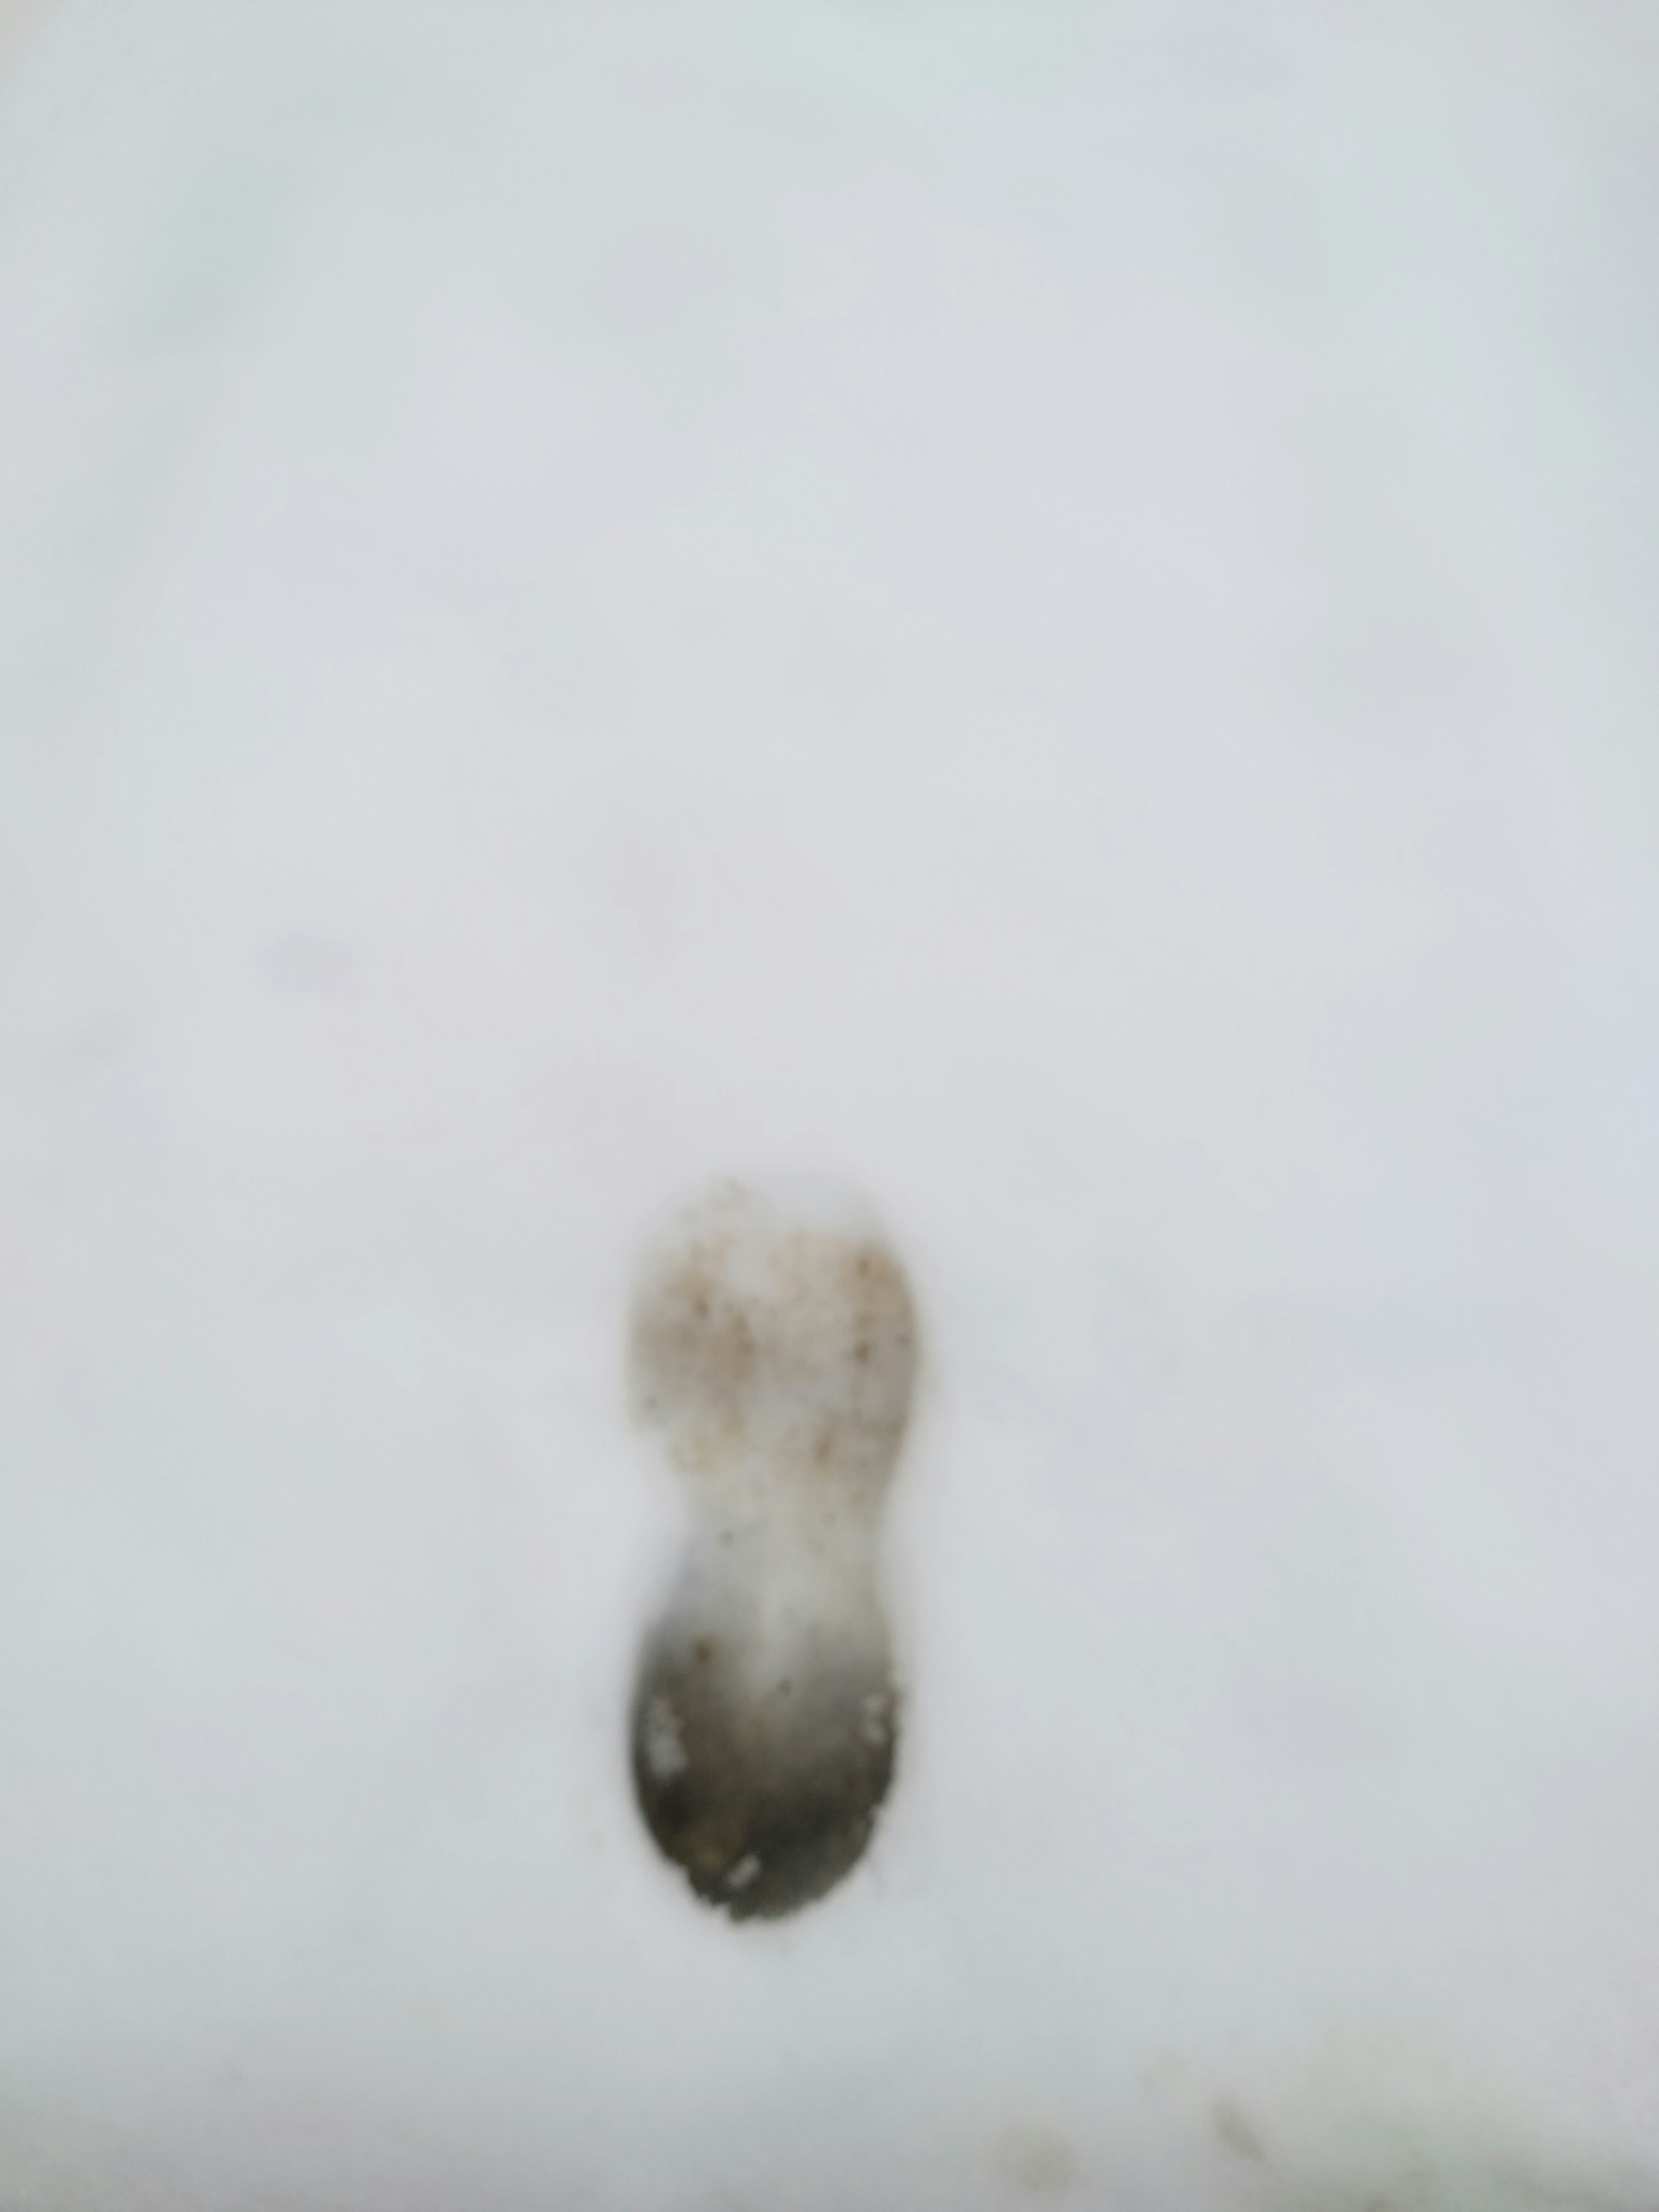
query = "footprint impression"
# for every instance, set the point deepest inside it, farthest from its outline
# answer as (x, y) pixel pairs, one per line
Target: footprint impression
(776, 1353)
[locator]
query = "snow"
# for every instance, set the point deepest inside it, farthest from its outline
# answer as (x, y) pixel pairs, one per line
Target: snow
(1045, 611)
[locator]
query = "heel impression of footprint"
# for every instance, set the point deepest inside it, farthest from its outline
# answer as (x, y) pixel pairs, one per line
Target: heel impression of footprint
(774, 1351)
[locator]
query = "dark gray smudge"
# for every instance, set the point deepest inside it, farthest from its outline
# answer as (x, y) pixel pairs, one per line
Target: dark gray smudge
(777, 1356)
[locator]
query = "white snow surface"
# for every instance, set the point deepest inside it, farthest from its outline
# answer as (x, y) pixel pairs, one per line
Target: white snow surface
(1047, 609)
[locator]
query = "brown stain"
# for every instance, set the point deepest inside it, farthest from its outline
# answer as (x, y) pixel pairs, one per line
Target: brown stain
(776, 1360)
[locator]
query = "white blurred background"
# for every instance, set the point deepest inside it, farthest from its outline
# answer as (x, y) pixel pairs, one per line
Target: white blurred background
(1046, 607)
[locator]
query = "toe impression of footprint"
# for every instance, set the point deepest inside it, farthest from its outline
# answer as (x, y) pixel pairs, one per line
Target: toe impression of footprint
(774, 1350)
